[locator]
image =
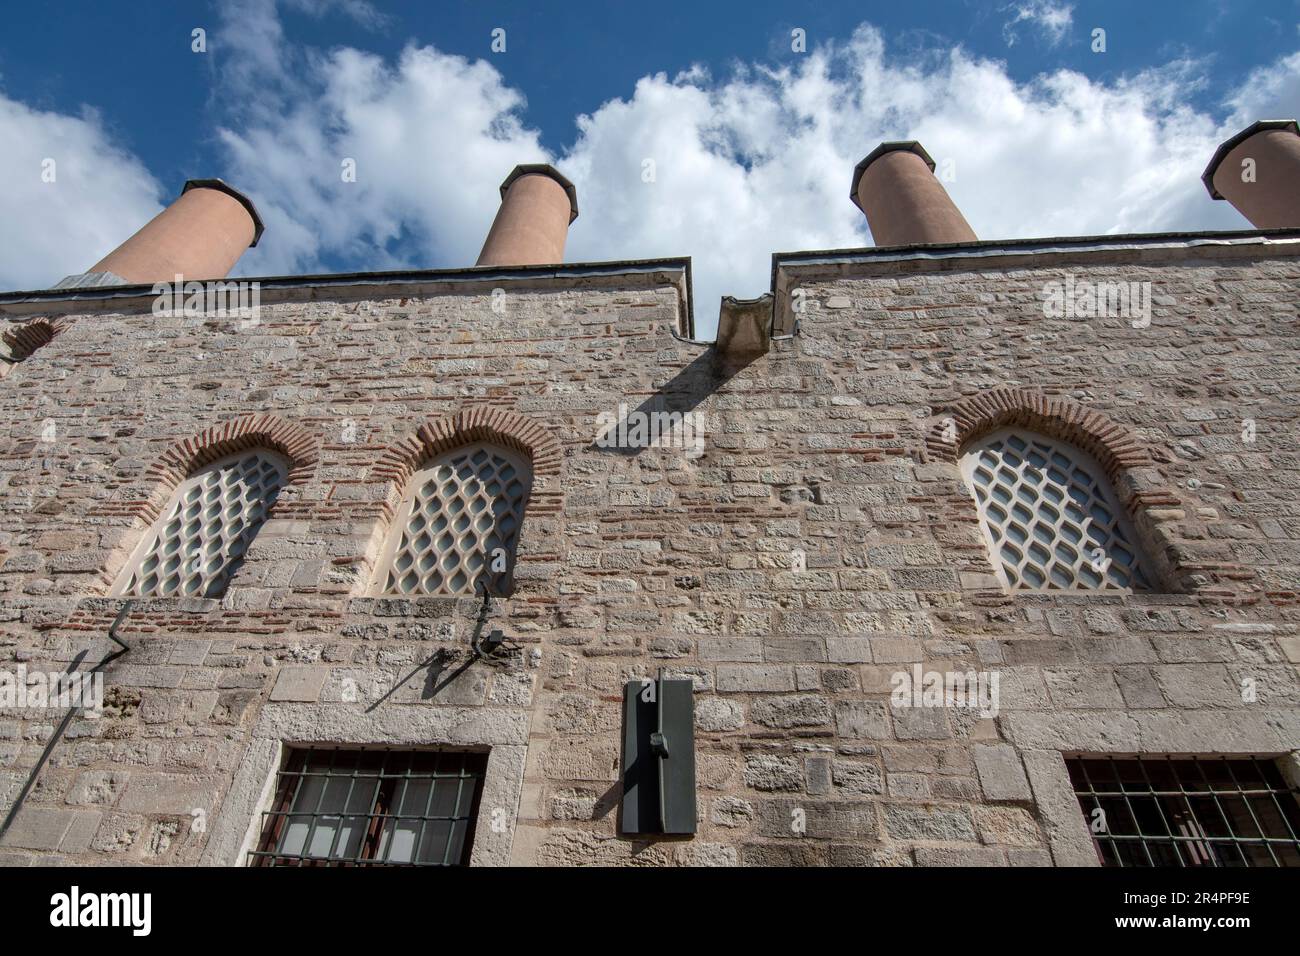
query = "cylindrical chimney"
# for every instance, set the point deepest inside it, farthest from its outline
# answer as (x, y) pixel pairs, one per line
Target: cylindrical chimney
(537, 205)
(904, 203)
(199, 236)
(1258, 171)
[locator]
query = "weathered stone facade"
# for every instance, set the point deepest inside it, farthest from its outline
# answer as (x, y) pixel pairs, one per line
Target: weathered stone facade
(629, 561)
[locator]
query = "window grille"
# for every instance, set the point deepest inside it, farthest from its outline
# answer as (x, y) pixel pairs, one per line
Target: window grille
(198, 543)
(1049, 516)
(1167, 811)
(336, 807)
(458, 525)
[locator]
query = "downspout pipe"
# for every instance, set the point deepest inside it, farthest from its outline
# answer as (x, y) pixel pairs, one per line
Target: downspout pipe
(60, 730)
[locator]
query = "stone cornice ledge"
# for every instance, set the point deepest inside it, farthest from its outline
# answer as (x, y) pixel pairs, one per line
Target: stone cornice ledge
(792, 269)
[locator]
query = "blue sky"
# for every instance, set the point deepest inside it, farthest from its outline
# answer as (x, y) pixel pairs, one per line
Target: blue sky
(753, 142)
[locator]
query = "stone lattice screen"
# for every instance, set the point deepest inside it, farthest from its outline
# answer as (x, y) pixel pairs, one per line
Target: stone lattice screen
(1049, 517)
(194, 548)
(458, 525)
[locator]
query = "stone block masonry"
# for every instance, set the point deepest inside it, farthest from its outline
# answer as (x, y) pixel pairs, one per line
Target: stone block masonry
(632, 561)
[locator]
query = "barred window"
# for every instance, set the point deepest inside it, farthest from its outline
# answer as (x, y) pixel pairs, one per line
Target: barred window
(457, 527)
(1180, 811)
(1049, 516)
(199, 541)
(336, 807)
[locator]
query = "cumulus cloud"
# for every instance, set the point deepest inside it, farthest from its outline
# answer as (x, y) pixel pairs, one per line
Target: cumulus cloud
(359, 11)
(1271, 92)
(1052, 20)
(724, 170)
(762, 162)
(60, 227)
(430, 138)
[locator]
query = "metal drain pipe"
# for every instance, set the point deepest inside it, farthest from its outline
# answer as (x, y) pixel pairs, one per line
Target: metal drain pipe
(67, 718)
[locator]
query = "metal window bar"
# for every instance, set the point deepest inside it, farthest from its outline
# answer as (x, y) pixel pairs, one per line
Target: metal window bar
(1132, 813)
(418, 843)
(320, 800)
(347, 803)
(451, 830)
(389, 774)
(1096, 807)
(1191, 840)
(1250, 809)
(1218, 805)
(1285, 819)
(1164, 821)
(1191, 811)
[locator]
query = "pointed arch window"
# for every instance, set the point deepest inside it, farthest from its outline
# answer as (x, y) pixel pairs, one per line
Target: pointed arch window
(202, 535)
(1050, 517)
(457, 527)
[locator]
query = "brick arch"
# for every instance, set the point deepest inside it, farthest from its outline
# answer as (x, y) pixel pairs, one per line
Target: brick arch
(24, 338)
(1114, 446)
(476, 423)
(523, 435)
(183, 457)
(1129, 464)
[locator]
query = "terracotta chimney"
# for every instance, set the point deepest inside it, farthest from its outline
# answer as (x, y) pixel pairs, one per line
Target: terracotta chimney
(904, 203)
(537, 205)
(1267, 191)
(199, 236)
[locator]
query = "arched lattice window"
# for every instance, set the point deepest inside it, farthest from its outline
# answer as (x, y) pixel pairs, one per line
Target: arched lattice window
(456, 529)
(1049, 515)
(199, 541)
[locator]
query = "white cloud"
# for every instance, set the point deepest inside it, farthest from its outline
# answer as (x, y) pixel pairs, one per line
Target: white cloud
(1053, 20)
(54, 229)
(756, 163)
(432, 137)
(360, 11)
(1270, 92)
(763, 162)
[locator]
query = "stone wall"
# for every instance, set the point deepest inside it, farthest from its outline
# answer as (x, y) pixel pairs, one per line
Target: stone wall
(635, 560)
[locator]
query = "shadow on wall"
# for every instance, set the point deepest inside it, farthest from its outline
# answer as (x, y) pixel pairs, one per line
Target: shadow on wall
(668, 417)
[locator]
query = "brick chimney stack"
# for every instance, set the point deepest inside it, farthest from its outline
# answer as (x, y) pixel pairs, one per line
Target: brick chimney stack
(1258, 171)
(537, 205)
(199, 236)
(904, 203)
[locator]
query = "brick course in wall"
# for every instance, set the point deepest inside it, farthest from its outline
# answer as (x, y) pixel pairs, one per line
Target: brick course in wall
(629, 561)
